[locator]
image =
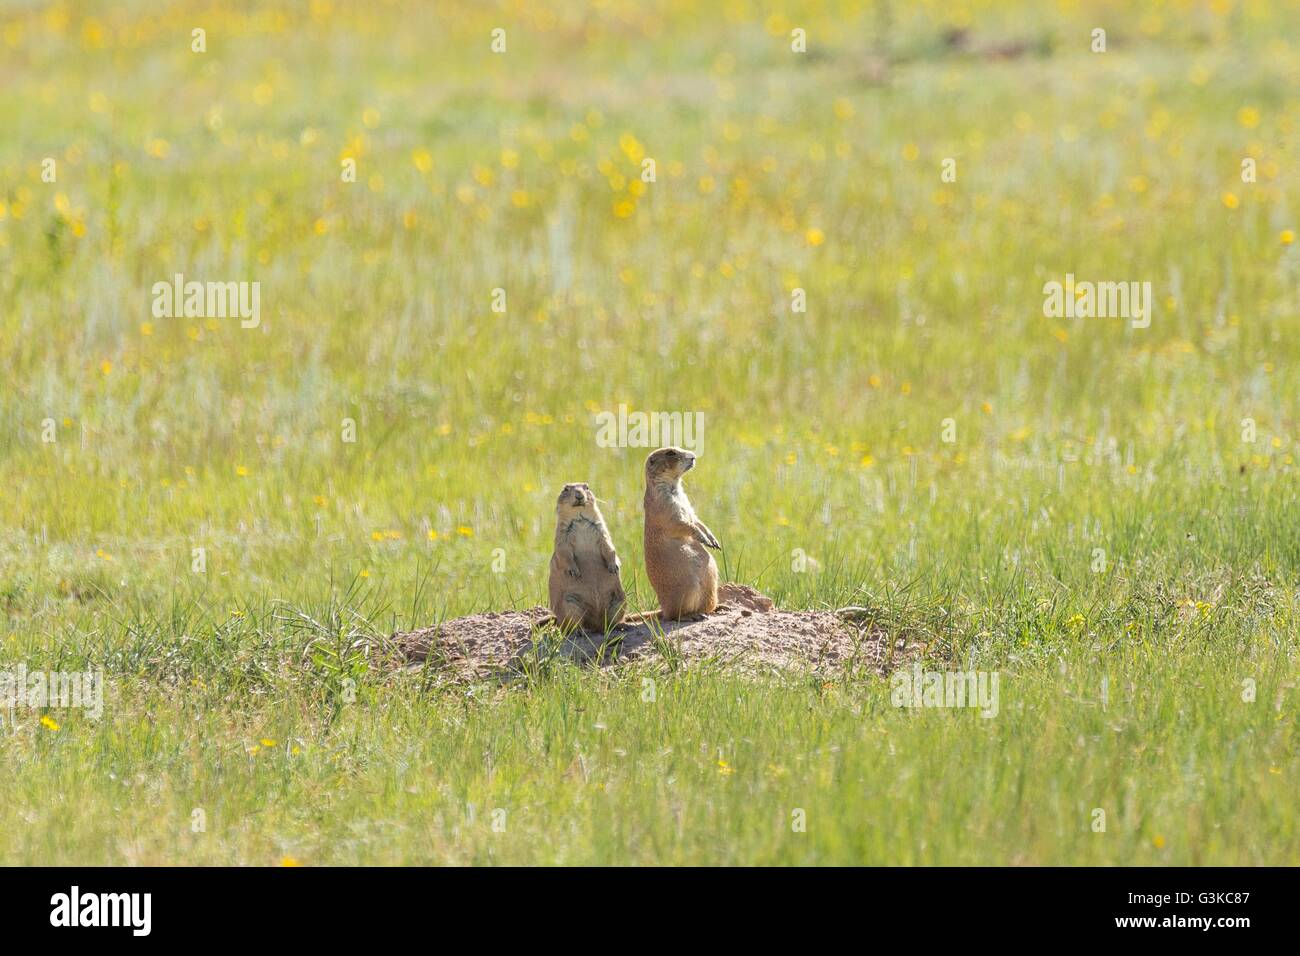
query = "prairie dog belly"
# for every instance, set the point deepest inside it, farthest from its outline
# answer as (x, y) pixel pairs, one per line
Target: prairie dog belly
(587, 539)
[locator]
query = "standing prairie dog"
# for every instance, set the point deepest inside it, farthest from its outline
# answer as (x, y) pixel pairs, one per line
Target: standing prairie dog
(585, 589)
(679, 567)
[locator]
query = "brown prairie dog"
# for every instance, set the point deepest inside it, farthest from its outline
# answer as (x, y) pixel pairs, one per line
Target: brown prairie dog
(585, 589)
(677, 561)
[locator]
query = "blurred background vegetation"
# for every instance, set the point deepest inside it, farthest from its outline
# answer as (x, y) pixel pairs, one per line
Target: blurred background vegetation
(775, 171)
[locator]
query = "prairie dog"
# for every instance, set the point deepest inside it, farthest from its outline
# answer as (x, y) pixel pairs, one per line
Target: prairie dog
(677, 562)
(585, 589)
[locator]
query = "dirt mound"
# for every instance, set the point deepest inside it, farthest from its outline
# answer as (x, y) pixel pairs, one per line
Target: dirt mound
(747, 632)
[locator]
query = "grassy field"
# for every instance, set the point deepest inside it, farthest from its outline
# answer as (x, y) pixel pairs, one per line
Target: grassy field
(1113, 528)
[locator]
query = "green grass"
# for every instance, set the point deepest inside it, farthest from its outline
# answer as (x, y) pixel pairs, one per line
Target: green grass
(775, 171)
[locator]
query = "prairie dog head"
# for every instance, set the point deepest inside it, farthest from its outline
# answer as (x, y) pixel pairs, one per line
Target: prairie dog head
(576, 499)
(667, 465)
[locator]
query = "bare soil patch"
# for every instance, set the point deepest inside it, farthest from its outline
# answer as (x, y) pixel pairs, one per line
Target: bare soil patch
(747, 633)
